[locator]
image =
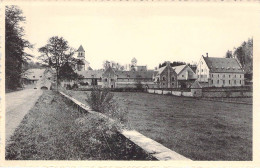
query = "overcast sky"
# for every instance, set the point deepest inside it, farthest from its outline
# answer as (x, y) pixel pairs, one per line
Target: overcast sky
(150, 32)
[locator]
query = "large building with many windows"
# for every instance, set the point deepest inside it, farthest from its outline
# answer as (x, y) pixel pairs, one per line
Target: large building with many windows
(219, 72)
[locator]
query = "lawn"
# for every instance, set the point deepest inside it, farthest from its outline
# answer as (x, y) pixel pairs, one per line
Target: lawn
(197, 129)
(54, 130)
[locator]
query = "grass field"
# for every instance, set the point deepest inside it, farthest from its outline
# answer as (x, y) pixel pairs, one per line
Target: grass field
(197, 129)
(54, 130)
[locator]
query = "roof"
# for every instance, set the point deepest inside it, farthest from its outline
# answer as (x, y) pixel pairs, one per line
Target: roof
(216, 64)
(196, 85)
(135, 74)
(80, 49)
(179, 68)
(34, 74)
(91, 73)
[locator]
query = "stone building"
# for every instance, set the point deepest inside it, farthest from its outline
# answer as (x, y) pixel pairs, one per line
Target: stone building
(166, 77)
(185, 76)
(219, 72)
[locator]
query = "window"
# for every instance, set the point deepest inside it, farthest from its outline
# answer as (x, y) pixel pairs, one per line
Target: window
(163, 84)
(172, 78)
(202, 70)
(182, 75)
(217, 81)
(218, 75)
(112, 80)
(229, 76)
(235, 82)
(240, 77)
(229, 81)
(212, 81)
(240, 82)
(163, 78)
(173, 84)
(223, 82)
(106, 80)
(33, 76)
(40, 76)
(212, 75)
(224, 76)
(235, 76)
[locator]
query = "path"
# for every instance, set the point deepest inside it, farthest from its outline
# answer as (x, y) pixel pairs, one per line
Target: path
(17, 105)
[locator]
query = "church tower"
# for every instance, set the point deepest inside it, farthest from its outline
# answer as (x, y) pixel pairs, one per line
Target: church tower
(81, 59)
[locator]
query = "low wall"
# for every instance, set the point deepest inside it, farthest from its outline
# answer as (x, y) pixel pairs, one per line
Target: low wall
(203, 93)
(226, 94)
(150, 146)
(170, 92)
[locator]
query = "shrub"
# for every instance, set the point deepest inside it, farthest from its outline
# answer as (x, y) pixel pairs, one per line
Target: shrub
(101, 100)
(68, 87)
(75, 86)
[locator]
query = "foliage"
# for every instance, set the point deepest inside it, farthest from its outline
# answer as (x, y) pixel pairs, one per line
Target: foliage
(66, 72)
(56, 53)
(244, 54)
(229, 54)
(112, 64)
(15, 46)
(101, 100)
(173, 64)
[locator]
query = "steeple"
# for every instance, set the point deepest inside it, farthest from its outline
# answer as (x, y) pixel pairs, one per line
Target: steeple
(81, 52)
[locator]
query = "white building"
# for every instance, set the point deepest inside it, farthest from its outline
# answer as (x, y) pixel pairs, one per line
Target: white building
(220, 72)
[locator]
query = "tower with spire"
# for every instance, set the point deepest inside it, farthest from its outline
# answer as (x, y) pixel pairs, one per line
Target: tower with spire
(82, 64)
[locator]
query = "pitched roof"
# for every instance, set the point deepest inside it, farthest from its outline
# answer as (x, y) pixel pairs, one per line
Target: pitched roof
(196, 85)
(179, 68)
(91, 73)
(135, 74)
(34, 74)
(81, 49)
(216, 64)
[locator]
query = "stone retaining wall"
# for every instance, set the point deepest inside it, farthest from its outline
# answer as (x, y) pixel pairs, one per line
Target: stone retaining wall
(152, 147)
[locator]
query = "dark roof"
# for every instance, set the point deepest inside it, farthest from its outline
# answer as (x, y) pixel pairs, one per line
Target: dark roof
(135, 74)
(216, 64)
(80, 49)
(91, 73)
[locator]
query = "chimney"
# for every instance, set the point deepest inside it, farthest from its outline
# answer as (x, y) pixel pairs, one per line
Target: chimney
(168, 63)
(207, 55)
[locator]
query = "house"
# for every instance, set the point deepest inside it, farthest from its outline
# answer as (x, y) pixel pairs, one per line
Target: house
(166, 77)
(39, 78)
(220, 72)
(185, 76)
(112, 78)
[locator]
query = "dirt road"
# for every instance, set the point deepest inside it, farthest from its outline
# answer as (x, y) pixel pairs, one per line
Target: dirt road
(17, 105)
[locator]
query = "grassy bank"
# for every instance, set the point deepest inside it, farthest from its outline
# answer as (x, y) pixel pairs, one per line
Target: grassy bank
(54, 130)
(197, 129)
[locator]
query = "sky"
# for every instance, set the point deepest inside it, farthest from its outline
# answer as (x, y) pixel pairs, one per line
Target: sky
(151, 32)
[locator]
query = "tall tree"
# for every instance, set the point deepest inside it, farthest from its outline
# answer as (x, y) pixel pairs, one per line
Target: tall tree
(244, 54)
(56, 53)
(15, 45)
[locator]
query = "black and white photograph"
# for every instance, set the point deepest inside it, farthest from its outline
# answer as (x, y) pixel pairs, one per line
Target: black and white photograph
(128, 81)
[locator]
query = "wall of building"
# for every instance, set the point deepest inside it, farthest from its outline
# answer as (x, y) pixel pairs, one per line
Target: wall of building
(202, 71)
(226, 79)
(168, 78)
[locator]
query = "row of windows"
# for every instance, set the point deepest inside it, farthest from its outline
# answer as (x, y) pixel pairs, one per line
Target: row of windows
(229, 82)
(164, 78)
(225, 76)
(165, 84)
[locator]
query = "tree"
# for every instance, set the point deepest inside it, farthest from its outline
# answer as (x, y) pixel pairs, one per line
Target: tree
(15, 46)
(67, 73)
(57, 53)
(229, 54)
(244, 54)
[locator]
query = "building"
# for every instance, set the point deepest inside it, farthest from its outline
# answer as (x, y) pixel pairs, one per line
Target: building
(112, 78)
(82, 64)
(39, 78)
(185, 76)
(219, 72)
(166, 77)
